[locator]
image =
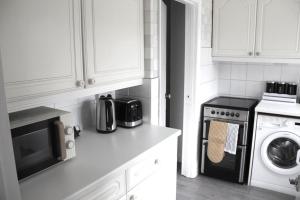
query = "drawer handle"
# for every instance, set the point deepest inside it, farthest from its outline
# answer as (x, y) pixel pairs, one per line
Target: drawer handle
(132, 197)
(156, 162)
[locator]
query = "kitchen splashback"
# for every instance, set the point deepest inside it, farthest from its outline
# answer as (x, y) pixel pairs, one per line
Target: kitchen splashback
(248, 79)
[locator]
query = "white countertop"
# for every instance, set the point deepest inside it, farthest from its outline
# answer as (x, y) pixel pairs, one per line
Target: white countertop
(97, 156)
(279, 108)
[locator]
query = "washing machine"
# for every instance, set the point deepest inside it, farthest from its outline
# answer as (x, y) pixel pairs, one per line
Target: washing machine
(276, 154)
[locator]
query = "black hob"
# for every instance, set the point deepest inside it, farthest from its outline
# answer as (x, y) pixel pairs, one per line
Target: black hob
(232, 103)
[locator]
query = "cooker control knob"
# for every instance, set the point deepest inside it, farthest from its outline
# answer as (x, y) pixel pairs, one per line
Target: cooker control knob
(237, 114)
(70, 144)
(69, 130)
(213, 112)
(222, 113)
(232, 114)
(227, 113)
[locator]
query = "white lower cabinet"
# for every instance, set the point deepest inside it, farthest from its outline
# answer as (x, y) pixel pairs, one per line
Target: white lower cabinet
(110, 188)
(155, 177)
(150, 176)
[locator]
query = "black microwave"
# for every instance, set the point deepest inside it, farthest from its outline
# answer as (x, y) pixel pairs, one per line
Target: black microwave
(42, 137)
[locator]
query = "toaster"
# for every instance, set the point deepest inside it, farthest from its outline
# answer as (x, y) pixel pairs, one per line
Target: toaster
(128, 112)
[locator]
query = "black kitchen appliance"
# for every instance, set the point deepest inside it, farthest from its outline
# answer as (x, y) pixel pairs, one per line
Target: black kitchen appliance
(41, 137)
(234, 168)
(129, 112)
(105, 115)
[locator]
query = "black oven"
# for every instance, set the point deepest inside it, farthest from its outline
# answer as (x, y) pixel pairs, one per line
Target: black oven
(39, 142)
(233, 167)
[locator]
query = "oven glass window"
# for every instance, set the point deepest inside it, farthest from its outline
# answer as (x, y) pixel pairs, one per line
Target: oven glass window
(283, 152)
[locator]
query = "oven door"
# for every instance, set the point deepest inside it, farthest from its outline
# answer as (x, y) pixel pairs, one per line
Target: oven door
(243, 129)
(38, 146)
(231, 168)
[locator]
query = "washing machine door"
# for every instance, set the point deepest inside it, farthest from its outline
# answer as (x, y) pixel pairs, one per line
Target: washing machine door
(280, 152)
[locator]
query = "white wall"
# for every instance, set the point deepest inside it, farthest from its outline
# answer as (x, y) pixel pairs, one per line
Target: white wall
(248, 79)
(208, 70)
(9, 186)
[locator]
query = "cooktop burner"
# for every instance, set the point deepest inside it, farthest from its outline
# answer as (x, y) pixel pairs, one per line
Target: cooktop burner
(232, 103)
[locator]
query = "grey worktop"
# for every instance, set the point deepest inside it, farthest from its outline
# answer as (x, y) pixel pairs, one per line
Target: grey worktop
(97, 156)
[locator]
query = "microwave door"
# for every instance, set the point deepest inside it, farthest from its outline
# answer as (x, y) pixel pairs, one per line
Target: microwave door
(36, 147)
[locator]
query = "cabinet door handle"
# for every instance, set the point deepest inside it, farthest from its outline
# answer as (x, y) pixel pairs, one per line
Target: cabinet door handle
(91, 81)
(250, 53)
(257, 54)
(80, 83)
(156, 162)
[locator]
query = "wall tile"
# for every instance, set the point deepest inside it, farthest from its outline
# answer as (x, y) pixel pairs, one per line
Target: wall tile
(224, 70)
(238, 71)
(142, 90)
(208, 73)
(255, 89)
(237, 88)
(208, 90)
(224, 87)
(255, 72)
(272, 72)
(290, 73)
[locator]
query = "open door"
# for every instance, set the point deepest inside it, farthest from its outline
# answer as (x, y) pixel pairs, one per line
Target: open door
(173, 49)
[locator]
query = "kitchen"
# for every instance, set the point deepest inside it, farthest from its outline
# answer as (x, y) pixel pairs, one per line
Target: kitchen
(74, 55)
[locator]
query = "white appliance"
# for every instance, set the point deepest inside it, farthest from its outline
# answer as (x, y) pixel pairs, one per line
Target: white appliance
(276, 147)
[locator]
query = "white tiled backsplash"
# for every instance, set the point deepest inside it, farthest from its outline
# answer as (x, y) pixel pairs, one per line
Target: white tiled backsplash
(248, 79)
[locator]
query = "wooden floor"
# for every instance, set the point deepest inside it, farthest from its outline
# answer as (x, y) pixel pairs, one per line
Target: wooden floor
(204, 188)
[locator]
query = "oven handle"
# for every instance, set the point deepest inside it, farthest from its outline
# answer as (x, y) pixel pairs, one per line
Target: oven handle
(204, 135)
(243, 162)
(243, 124)
(59, 126)
(204, 143)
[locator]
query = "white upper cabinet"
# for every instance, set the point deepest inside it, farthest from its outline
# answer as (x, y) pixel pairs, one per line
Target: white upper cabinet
(257, 30)
(278, 29)
(40, 43)
(234, 27)
(113, 40)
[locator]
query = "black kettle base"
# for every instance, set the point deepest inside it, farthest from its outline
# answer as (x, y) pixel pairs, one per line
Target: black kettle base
(105, 132)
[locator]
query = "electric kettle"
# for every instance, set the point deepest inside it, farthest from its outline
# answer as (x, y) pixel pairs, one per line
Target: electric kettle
(106, 115)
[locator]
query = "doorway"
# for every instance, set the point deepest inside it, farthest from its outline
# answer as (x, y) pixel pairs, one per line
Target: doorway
(173, 71)
(189, 51)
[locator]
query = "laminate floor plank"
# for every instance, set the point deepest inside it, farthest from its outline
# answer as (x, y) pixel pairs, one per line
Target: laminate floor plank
(206, 188)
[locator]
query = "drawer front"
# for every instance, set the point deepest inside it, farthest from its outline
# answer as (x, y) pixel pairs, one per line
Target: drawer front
(142, 170)
(111, 188)
(156, 160)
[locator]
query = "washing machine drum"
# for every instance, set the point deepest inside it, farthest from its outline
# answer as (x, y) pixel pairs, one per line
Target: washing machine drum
(280, 152)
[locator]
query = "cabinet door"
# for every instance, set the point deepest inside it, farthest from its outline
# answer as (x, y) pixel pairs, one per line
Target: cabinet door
(161, 183)
(278, 29)
(113, 40)
(234, 28)
(111, 188)
(40, 44)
